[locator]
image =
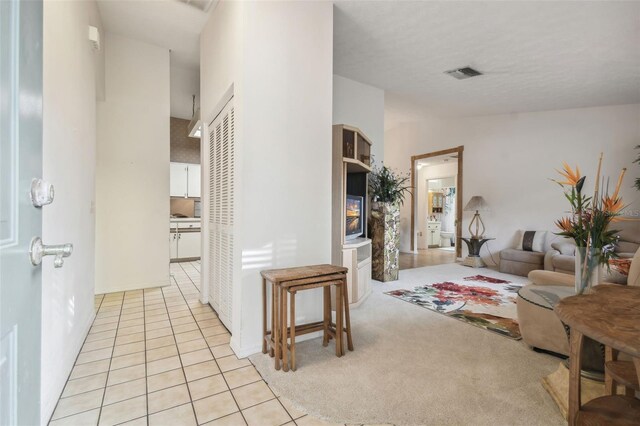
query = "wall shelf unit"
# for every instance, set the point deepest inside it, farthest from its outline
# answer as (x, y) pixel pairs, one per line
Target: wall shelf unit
(351, 167)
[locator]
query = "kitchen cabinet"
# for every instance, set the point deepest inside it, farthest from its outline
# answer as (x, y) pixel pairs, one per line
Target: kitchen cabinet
(184, 180)
(184, 239)
(193, 180)
(188, 244)
(178, 173)
(173, 244)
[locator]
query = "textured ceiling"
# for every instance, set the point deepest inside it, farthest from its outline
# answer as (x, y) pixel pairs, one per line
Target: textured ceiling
(165, 23)
(535, 55)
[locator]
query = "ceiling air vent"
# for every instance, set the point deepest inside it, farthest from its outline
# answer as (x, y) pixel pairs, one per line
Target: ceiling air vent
(462, 73)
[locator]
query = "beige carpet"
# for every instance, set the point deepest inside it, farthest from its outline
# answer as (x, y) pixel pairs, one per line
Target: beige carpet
(413, 366)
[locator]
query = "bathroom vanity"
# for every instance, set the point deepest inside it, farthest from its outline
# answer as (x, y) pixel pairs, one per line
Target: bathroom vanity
(433, 234)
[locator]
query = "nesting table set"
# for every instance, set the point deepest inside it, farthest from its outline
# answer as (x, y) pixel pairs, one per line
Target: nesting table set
(609, 315)
(280, 340)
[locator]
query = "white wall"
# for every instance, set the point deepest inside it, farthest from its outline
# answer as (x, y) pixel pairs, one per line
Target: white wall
(508, 159)
(132, 177)
(71, 82)
(283, 139)
(425, 173)
(185, 82)
(360, 105)
(221, 44)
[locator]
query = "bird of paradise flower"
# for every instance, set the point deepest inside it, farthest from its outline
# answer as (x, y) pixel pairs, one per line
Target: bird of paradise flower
(590, 216)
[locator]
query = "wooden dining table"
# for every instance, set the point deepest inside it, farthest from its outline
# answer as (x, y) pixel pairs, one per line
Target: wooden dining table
(610, 314)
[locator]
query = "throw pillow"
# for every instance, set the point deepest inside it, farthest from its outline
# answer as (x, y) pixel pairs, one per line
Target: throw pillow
(532, 241)
(621, 266)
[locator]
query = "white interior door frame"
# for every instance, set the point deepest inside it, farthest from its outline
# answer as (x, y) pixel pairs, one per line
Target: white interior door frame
(204, 213)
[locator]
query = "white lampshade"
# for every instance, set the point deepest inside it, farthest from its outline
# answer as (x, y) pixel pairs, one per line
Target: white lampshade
(476, 203)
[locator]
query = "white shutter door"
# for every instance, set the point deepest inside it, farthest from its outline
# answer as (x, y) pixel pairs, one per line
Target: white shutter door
(221, 217)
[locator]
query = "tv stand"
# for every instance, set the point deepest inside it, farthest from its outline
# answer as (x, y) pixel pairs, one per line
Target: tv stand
(351, 167)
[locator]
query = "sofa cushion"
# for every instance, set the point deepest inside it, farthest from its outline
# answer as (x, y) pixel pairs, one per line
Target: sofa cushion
(628, 235)
(517, 268)
(565, 247)
(564, 263)
(626, 247)
(522, 256)
(541, 278)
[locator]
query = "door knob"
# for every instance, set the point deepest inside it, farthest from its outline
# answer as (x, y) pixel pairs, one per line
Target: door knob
(39, 250)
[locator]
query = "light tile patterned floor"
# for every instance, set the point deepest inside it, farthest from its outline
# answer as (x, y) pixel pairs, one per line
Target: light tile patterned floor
(160, 357)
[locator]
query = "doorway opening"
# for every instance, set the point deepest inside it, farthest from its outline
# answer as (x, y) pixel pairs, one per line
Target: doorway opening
(436, 206)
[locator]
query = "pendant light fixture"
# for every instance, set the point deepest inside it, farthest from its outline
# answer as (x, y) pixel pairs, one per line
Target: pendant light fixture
(195, 125)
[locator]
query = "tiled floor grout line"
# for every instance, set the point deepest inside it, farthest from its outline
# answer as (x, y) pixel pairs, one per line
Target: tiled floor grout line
(214, 358)
(110, 360)
(211, 352)
(253, 365)
(183, 300)
(223, 376)
(144, 336)
(159, 359)
(60, 398)
(186, 382)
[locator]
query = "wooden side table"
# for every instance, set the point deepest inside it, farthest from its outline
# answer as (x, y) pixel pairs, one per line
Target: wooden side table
(290, 281)
(610, 315)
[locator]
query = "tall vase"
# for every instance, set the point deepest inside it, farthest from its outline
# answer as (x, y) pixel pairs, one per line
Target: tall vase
(385, 241)
(588, 269)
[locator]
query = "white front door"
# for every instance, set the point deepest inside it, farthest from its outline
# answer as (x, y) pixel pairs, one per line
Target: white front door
(20, 221)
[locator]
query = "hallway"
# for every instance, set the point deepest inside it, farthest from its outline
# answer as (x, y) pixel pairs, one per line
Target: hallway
(429, 257)
(160, 357)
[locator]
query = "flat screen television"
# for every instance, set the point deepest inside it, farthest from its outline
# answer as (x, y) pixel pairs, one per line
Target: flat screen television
(354, 219)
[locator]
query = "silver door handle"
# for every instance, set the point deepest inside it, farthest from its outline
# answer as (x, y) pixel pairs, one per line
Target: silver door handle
(39, 250)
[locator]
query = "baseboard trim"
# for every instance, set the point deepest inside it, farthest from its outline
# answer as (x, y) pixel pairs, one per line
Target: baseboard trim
(131, 287)
(361, 300)
(47, 407)
(244, 352)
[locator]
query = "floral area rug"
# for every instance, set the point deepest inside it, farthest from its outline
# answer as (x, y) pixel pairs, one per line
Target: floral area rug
(479, 300)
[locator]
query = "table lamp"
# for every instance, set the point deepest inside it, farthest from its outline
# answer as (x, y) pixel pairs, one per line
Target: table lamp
(477, 204)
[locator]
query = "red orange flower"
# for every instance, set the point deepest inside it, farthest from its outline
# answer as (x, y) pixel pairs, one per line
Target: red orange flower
(564, 224)
(571, 177)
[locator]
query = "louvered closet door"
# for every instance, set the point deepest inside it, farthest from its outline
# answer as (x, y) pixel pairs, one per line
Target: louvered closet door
(221, 216)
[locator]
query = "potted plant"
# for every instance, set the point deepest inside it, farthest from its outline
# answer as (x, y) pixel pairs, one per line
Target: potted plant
(387, 189)
(588, 224)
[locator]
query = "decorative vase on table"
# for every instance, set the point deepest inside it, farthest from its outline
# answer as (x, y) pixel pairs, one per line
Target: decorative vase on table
(588, 269)
(590, 223)
(385, 241)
